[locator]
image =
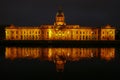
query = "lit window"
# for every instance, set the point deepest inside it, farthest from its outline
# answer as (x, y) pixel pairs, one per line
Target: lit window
(7, 32)
(87, 32)
(76, 37)
(111, 32)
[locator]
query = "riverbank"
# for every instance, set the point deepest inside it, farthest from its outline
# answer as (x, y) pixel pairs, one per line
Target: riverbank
(63, 43)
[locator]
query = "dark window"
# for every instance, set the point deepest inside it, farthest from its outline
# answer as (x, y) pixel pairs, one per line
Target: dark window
(86, 37)
(16, 32)
(21, 37)
(12, 32)
(16, 36)
(80, 32)
(76, 32)
(42, 32)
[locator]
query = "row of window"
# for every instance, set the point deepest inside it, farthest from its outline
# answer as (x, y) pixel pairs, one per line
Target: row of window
(38, 37)
(107, 32)
(110, 37)
(12, 32)
(38, 32)
(87, 36)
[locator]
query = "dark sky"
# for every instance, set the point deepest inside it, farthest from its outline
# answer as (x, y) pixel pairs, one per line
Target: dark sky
(82, 12)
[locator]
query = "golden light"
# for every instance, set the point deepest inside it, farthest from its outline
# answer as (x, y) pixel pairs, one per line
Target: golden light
(50, 33)
(49, 52)
(68, 32)
(107, 53)
(59, 55)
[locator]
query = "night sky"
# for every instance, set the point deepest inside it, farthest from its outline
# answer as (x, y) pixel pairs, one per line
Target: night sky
(82, 12)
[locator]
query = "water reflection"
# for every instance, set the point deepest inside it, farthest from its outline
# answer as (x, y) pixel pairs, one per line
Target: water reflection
(59, 55)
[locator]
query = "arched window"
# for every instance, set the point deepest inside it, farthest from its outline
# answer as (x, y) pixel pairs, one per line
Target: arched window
(103, 32)
(87, 38)
(39, 32)
(80, 32)
(103, 37)
(16, 32)
(80, 37)
(83, 37)
(76, 32)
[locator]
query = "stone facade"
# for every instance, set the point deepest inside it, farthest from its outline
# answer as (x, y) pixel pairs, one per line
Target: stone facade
(59, 31)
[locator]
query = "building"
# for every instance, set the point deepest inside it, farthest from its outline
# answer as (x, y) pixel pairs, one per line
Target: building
(59, 31)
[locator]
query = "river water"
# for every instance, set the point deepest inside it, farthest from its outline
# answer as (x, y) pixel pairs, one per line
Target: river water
(59, 63)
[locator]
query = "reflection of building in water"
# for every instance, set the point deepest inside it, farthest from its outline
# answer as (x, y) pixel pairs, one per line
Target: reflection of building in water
(58, 55)
(107, 53)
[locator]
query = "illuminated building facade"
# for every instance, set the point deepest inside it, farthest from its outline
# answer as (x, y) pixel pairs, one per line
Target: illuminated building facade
(59, 31)
(59, 55)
